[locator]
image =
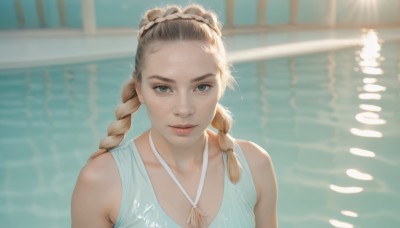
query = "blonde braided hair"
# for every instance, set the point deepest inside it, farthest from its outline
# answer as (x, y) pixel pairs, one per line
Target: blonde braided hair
(116, 130)
(191, 12)
(176, 16)
(222, 122)
(174, 23)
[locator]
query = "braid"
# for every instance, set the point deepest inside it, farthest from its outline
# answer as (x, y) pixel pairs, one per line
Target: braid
(222, 121)
(117, 129)
(209, 16)
(192, 12)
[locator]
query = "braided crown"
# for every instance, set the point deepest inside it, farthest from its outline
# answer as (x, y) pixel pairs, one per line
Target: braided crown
(192, 12)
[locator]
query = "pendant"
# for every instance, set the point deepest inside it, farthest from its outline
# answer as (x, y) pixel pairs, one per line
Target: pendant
(196, 217)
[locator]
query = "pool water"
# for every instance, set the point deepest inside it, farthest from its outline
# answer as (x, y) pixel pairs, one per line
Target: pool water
(330, 121)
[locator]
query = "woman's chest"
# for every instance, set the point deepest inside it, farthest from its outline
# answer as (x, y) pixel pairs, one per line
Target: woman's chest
(172, 200)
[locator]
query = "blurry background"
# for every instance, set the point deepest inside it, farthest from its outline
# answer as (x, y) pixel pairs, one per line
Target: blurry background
(318, 88)
(67, 14)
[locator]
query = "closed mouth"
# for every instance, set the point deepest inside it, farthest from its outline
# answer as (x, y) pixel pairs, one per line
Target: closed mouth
(182, 126)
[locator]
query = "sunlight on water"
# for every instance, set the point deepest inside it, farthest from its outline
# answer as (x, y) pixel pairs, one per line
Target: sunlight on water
(362, 153)
(346, 190)
(372, 70)
(368, 63)
(340, 224)
(374, 88)
(369, 96)
(349, 213)
(372, 108)
(369, 118)
(366, 133)
(370, 80)
(353, 173)
(369, 56)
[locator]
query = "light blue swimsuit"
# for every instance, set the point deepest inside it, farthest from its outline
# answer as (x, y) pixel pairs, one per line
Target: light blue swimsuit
(140, 208)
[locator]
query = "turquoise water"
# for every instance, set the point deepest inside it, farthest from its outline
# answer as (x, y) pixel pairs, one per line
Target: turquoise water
(277, 12)
(330, 125)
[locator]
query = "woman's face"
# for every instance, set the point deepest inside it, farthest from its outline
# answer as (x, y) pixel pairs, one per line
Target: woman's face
(180, 87)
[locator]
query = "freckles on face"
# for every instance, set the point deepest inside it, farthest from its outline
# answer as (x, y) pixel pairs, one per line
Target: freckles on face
(180, 83)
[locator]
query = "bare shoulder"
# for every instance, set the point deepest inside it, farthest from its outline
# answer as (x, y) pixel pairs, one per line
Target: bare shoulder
(263, 173)
(95, 198)
(99, 170)
(261, 167)
(256, 156)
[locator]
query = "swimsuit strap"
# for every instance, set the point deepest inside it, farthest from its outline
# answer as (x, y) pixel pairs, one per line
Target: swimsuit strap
(171, 174)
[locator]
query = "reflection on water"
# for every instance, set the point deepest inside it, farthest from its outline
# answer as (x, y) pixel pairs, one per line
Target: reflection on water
(369, 61)
(369, 96)
(370, 118)
(349, 213)
(369, 56)
(312, 112)
(372, 70)
(310, 105)
(353, 173)
(374, 88)
(369, 80)
(340, 224)
(366, 133)
(372, 108)
(362, 153)
(346, 190)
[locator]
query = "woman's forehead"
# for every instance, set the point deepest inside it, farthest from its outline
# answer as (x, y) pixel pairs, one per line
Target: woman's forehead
(181, 45)
(179, 57)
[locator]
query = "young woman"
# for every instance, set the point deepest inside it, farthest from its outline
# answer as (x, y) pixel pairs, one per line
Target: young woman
(179, 173)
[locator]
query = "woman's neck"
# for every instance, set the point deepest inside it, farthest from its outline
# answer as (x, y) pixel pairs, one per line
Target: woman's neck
(180, 158)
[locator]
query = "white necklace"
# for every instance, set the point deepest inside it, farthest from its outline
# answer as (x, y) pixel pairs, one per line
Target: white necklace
(195, 216)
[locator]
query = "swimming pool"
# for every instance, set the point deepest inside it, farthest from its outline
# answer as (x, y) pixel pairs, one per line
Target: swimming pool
(329, 120)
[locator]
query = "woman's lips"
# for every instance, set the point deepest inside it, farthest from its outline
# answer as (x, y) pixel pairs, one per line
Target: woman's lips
(181, 129)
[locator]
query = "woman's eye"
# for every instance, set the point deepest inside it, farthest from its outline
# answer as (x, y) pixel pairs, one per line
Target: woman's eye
(203, 87)
(161, 89)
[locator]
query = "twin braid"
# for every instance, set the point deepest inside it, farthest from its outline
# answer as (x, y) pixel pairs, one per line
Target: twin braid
(222, 122)
(192, 12)
(116, 130)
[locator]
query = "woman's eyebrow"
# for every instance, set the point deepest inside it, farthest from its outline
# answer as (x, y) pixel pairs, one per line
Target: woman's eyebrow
(173, 81)
(203, 77)
(161, 78)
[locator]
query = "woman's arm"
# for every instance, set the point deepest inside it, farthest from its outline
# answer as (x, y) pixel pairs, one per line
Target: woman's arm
(265, 181)
(95, 201)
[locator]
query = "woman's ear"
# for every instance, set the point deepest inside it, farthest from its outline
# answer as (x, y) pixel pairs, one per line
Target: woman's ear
(139, 93)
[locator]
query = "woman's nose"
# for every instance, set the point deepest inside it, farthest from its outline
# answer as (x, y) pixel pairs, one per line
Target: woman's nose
(183, 106)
